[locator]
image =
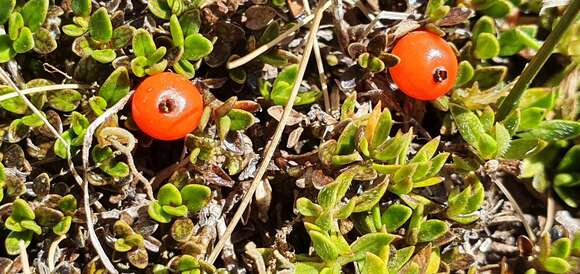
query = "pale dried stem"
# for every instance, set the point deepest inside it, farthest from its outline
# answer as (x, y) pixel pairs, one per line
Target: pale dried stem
(24, 257)
(52, 252)
(319, 65)
(134, 170)
(87, 141)
(255, 53)
(6, 78)
(517, 208)
(277, 134)
(550, 213)
(42, 89)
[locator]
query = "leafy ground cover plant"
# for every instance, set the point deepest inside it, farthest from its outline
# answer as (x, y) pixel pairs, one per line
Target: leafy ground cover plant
(264, 160)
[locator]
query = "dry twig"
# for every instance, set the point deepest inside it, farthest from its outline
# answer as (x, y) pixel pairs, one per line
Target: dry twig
(271, 147)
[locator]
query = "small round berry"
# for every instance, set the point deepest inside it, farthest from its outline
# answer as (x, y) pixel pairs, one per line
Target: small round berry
(428, 65)
(166, 106)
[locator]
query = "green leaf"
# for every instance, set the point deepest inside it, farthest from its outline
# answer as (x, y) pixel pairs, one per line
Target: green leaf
(307, 97)
(115, 169)
(79, 123)
(104, 56)
(21, 210)
(12, 224)
(325, 220)
(63, 226)
(538, 97)
(404, 186)
(32, 226)
(190, 21)
(169, 195)
(196, 46)
(421, 171)
(485, 24)
(391, 148)
(122, 246)
(437, 163)
(427, 151)
(428, 182)
(177, 211)
(376, 65)
(59, 147)
(74, 30)
(68, 203)
(404, 172)
(7, 10)
(487, 118)
(464, 73)
(116, 86)
(33, 120)
(436, 9)
(458, 201)
(468, 124)
(44, 42)
(184, 68)
(176, 31)
(489, 76)
(346, 140)
(576, 244)
(187, 262)
(159, 8)
(554, 130)
(567, 179)
(371, 242)
(332, 193)
(65, 100)
(156, 213)
(431, 230)
(195, 196)
(502, 138)
(6, 51)
(395, 216)
(486, 46)
(34, 12)
(138, 66)
(477, 196)
(143, 44)
(283, 84)
(15, 24)
(15, 104)
(98, 104)
(81, 7)
(323, 246)
(400, 258)
(561, 248)
(556, 265)
(100, 26)
(240, 119)
(122, 36)
(224, 123)
(306, 268)
(307, 207)
(514, 40)
(524, 148)
(366, 200)
(270, 33)
(498, 9)
(278, 3)
(345, 210)
(374, 265)
(12, 241)
(100, 154)
(569, 162)
(531, 118)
